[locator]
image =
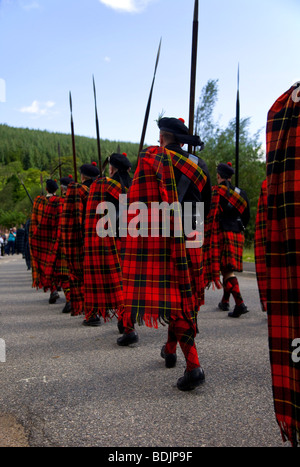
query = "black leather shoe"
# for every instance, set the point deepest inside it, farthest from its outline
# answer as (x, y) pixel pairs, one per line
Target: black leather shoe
(170, 358)
(92, 321)
(53, 297)
(128, 339)
(238, 311)
(224, 306)
(191, 379)
(67, 308)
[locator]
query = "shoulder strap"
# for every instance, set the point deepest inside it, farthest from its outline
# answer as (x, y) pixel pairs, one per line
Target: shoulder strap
(184, 181)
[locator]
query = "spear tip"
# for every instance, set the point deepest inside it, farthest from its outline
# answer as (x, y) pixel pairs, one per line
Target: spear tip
(196, 10)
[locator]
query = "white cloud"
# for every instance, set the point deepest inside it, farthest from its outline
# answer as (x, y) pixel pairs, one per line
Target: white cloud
(38, 108)
(29, 6)
(130, 6)
(107, 59)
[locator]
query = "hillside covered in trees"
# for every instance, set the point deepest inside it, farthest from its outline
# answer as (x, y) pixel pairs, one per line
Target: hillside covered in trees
(28, 157)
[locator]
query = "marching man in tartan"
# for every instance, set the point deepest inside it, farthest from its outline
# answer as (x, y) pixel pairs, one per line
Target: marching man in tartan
(56, 265)
(224, 238)
(162, 278)
(41, 240)
(103, 293)
(72, 233)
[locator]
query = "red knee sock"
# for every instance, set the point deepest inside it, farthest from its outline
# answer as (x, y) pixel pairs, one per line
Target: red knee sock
(172, 339)
(232, 286)
(226, 295)
(181, 331)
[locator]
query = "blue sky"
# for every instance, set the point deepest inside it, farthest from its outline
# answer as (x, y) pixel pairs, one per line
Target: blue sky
(51, 47)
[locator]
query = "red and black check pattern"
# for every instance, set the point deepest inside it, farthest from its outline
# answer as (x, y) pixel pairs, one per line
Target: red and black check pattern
(181, 332)
(56, 266)
(222, 250)
(103, 292)
(260, 240)
(158, 272)
(41, 240)
(283, 258)
(72, 235)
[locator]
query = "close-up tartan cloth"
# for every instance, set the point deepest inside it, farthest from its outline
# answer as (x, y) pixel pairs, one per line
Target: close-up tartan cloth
(260, 241)
(40, 240)
(103, 292)
(158, 273)
(222, 249)
(283, 258)
(72, 236)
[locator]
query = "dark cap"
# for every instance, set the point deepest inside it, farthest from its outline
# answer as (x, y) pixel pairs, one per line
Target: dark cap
(90, 170)
(225, 170)
(66, 180)
(177, 127)
(120, 161)
(51, 186)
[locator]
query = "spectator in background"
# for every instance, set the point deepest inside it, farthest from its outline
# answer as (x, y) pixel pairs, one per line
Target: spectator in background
(1, 245)
(20, 240)
(11, 241)
(26, 245)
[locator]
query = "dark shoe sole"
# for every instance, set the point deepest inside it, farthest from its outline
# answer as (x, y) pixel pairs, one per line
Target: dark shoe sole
(223, 306)
(128, 339)
(170, 359)
(67, 308)
(237, 312)
(191, 380)
(53, 299)
(93, 323)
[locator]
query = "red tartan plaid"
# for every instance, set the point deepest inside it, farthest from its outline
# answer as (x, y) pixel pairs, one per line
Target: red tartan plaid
(231, 247)
(260, 240)
(56, 266)
(158, 273)
(222, 249)
(283, 258)
(72, 235)
(103, 293)
(41, 240)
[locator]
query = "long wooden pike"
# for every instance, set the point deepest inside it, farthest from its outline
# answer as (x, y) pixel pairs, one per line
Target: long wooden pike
(42, 183)
(22, 183)
(59, 157)
(193, 70)
(237, 129)
(149, 102)
(73, 139)
(97, 129)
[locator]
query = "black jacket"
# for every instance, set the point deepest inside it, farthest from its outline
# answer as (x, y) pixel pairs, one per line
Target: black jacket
(230, 218)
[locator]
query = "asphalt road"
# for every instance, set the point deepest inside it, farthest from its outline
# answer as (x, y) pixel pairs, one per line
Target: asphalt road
(72, 386)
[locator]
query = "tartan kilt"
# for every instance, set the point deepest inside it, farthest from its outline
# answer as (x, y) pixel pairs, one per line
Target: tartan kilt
(283, 259)
(56, 266)
(222, 250)
(231, 246)
(72, 234)
(103, 291)
(195, 265)
(40, 241)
